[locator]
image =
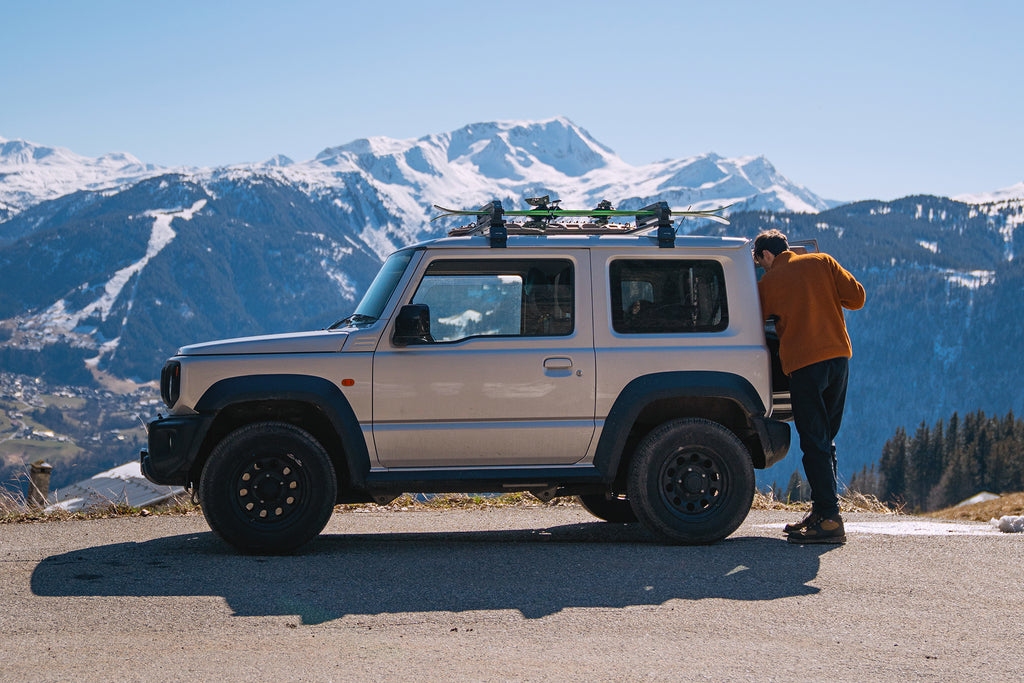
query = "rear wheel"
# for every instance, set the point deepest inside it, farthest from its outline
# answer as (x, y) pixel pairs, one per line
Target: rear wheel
(268, 487)
(617, 510)
(691, 481)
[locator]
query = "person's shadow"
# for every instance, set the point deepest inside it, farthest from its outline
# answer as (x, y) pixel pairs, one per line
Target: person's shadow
(537, 572)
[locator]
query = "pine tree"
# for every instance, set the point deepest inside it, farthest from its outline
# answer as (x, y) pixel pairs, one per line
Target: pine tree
(892, 468)
(797, 489)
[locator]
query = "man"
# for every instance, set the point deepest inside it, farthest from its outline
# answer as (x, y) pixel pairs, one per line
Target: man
(807, 294)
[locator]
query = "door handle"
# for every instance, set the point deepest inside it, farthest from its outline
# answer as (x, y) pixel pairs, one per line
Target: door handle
(559, 363)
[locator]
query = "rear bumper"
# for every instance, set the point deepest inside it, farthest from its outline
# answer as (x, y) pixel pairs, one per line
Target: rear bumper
(774, 436)
(173, 446)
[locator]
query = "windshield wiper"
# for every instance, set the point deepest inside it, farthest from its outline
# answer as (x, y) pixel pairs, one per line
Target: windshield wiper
(355, 319)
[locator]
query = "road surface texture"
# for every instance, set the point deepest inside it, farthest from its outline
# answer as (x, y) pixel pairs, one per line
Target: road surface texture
(533, 594)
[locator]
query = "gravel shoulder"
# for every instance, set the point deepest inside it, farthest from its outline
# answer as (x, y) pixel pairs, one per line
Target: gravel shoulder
(509, 594)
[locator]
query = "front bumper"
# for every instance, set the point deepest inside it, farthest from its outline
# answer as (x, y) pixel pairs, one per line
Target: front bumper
(173, 446)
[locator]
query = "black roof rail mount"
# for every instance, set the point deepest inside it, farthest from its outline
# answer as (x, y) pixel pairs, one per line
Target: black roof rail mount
(493, 221)
(659, 215)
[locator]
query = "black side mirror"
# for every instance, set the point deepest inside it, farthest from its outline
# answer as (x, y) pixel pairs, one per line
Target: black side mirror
(412, 326)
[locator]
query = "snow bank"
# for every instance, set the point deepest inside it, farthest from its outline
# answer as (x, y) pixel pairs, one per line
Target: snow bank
(1009, 524)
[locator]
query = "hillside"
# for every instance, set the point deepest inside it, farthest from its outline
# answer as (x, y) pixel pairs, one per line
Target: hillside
(106, 283)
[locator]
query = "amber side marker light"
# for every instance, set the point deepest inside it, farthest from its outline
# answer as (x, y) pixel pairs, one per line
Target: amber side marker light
(348, 382)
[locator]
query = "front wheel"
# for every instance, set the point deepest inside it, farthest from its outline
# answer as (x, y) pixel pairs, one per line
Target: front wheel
(268, 487)
(691, 481)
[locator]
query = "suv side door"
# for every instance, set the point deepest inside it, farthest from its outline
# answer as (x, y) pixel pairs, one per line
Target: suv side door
(507, 374)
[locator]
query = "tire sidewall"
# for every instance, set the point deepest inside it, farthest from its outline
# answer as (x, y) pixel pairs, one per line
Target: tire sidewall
(725, 455)
(221, 479)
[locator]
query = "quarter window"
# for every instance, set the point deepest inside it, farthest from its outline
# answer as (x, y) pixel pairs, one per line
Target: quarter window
(498, 298)
(668, 296)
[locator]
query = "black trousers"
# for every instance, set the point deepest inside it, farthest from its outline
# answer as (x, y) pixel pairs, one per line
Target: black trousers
(818, 392)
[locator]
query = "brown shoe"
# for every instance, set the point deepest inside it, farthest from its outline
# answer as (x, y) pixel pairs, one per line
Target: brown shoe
(811, 518)
(825, 530)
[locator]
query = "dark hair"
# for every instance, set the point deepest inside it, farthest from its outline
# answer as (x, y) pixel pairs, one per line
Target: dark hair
(770, 240)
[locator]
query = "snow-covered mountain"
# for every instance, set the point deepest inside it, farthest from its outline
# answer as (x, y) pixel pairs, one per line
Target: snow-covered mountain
(99, 266)
(110, 264)
(511, 160)
(469, 166)
(31, 173)
(1014, 192)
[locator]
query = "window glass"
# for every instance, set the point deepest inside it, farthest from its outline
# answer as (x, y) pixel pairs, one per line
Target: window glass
(376, 297)
(668, 296)
(497, 298)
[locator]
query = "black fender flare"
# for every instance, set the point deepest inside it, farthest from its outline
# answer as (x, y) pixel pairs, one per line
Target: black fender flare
(324, 394)
(644, 390)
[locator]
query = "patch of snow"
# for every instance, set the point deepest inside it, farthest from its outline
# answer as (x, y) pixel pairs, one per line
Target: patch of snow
(920, 527)
(121, 485)
(463, 319)
(913, 527)
(930, 246)
(161, 235)
(1009, 524)
(970, 279)
(978, 498)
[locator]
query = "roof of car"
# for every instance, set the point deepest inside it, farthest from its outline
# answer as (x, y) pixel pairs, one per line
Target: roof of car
(585, 241)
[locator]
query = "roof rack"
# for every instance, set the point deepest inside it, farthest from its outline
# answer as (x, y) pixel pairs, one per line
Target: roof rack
(547, 218)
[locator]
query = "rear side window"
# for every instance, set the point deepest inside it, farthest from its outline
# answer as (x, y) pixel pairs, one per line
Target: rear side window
(662, 296)
(498, 298)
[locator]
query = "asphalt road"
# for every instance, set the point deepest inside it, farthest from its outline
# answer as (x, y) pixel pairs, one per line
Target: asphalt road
(508, 594)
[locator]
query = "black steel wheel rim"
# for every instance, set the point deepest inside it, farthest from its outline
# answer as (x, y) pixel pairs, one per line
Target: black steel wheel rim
(692, 482)
(270, 489)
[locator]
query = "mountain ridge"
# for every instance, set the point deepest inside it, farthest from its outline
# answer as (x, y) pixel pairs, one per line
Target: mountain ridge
(110, 279)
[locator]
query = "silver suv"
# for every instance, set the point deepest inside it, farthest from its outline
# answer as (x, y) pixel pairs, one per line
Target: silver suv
(627, 367)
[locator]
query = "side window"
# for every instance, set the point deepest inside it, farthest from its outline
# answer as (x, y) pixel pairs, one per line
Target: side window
(498, 298)
(663, 296)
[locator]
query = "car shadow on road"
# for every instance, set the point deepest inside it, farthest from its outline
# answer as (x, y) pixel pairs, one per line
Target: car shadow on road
(537, 572)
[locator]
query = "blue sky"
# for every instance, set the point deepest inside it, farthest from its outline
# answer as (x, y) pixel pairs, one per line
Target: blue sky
(853, 100)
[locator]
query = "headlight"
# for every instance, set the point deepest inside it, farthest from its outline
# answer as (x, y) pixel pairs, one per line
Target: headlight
(170, 383)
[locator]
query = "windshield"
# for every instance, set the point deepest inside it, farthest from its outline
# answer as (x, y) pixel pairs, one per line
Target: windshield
(381, 289)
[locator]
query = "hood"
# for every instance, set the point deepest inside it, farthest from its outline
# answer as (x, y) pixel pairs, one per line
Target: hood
(321, 341)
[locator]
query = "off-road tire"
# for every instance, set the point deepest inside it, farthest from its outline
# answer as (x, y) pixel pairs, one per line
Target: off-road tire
(268, 488)
(617, 510)
(691, 481)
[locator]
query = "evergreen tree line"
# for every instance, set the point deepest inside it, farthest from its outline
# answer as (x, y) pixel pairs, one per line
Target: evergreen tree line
(945, 464)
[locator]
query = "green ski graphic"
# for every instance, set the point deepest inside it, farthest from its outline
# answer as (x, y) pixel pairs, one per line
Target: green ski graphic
(550, 213)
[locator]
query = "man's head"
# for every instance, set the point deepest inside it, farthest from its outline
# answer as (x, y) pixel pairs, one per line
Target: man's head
(767, 246)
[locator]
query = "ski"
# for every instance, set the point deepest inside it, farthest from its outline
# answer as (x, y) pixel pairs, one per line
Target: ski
(545, 213)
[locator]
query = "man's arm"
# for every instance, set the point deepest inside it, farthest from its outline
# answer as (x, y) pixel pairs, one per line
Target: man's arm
(851, 292)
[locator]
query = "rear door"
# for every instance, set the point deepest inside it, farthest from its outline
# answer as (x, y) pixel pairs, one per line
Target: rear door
(782, 405)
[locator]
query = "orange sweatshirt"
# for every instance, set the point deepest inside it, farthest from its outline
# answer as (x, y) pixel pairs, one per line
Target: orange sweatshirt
(808, 292)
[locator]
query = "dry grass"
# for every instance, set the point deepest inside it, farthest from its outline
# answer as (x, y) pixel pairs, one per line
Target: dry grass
(13, 510)
(850, 501)
(1006, 504)
(459, 501)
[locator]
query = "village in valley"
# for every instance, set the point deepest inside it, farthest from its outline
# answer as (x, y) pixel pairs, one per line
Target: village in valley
(77, 430)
